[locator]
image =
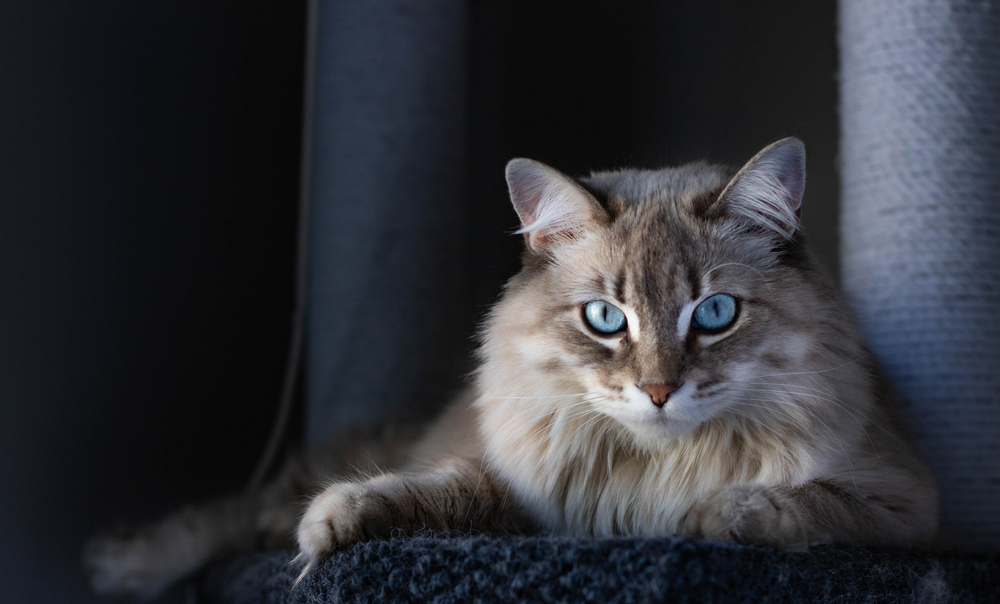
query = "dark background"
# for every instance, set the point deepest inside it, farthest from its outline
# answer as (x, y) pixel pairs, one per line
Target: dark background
(149, 166)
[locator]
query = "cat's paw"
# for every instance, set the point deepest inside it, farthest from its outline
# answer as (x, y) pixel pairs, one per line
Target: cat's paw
(343, 514)
(747, 514)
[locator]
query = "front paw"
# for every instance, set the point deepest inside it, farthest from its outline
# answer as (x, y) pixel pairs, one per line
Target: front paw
(747, 514)
(342, 515)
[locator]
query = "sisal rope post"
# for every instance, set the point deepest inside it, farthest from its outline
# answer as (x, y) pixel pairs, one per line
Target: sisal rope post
(920, 231)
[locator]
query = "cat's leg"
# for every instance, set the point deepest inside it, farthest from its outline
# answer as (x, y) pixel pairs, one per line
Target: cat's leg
(145, 561)
(818, 511)
(454, 494)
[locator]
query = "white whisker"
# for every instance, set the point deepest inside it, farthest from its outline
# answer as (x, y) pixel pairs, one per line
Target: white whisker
(842, 365)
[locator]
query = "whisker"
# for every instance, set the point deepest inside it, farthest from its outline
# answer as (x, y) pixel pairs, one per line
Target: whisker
(836, 438)
(755, 421)
(717, 267)
(864, 356)
(840, 404)
(549, 397)
(835, 402)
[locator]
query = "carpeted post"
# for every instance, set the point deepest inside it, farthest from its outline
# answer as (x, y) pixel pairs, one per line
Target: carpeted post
(920, 228)
(386, 208)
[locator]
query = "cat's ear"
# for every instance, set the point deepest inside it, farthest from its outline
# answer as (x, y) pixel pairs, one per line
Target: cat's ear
(553, 207)
(767, 191)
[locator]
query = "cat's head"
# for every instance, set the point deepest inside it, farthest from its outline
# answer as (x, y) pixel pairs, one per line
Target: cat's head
(664, 299)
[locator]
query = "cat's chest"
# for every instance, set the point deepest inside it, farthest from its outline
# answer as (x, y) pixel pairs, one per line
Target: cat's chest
(585, 483)
(583, 474)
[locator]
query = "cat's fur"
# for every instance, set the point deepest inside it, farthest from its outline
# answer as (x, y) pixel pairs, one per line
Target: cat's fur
(779, 430)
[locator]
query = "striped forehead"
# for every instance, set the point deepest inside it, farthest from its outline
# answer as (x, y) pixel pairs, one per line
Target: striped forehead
(658, 275)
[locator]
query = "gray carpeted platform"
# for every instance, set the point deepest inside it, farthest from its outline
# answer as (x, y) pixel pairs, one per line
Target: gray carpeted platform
(556, 569)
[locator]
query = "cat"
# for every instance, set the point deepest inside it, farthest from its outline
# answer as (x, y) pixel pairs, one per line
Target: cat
(670, 360)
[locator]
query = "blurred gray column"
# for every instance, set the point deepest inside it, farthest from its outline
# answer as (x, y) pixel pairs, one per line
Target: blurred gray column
(386, 195)
(920, 228)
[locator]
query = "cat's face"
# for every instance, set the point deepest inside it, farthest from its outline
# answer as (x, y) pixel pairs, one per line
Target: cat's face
(671, 298)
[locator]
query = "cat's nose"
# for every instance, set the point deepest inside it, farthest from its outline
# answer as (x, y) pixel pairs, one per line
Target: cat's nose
(658, 393)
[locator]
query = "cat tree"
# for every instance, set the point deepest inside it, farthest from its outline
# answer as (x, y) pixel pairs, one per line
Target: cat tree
(921, 251)
(386, 199)
(920, 231)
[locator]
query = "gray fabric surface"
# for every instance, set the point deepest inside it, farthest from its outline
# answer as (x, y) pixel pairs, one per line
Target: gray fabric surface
(920, 110)
(562, 569)
(386, 209)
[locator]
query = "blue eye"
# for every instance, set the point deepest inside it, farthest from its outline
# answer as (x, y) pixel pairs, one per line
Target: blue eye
(603, 317)
(715, 313)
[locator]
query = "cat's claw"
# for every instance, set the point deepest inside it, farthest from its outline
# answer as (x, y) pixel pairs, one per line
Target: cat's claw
(332, 520)
(307, 566)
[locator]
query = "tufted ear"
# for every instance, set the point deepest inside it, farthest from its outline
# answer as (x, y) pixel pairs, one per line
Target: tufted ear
(552, 206)
(767, 191)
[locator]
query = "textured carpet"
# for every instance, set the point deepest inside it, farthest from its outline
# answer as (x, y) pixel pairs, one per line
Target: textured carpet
(550, 569)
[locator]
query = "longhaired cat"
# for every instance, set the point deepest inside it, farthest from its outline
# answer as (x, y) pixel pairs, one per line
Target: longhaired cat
(670, 359)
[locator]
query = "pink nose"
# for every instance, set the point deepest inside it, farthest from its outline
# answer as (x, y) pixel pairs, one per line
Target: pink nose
(659, 393)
